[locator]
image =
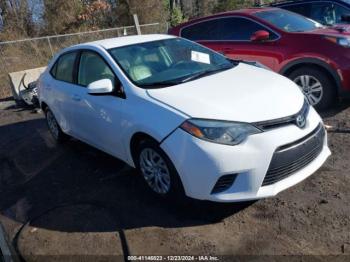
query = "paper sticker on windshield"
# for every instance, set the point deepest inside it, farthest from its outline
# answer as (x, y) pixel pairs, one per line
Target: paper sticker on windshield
(200, 57)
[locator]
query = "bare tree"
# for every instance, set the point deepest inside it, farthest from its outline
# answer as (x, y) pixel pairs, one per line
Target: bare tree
(61, 16)
(13, 5)
(150, 10)
(17, 19)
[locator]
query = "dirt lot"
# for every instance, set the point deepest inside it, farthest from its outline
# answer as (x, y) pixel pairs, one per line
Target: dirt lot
(75, 201)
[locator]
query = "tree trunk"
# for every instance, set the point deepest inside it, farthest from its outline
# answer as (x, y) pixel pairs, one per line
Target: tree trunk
(1, 20)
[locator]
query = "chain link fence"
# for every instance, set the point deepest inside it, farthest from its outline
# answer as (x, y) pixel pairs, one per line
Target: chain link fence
(36, 52)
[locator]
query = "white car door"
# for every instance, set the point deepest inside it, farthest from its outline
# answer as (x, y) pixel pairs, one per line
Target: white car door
(97, 118)
(59, 90)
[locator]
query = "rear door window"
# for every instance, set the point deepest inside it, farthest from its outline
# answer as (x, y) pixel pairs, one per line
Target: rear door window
(207, 30)
(63, 70)
(224, 29)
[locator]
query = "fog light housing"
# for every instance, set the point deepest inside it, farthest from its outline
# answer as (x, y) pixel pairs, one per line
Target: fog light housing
(224, 183)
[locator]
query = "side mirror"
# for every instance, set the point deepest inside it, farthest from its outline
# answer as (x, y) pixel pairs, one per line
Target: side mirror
(345, 18)
(260, 36)
(103, 86)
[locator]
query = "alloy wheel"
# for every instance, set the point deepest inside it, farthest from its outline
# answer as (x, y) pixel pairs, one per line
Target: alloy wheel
(155, 171)
(311, 87)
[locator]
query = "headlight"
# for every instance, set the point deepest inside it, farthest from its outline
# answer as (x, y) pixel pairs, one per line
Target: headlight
(221, 132)
(343, 41)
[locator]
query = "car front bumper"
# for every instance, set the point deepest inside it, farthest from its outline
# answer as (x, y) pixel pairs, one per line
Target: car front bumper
(200, 163)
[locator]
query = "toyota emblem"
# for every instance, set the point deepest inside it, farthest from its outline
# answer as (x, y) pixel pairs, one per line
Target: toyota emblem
(301, 121)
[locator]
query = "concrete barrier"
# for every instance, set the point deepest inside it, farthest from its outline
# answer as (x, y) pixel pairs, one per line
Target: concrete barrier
(17, 79)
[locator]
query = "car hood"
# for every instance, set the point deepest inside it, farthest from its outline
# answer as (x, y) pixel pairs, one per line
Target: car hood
(244, 93)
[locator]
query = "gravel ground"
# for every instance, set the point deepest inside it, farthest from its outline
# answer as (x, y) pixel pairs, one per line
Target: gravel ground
(61, 201)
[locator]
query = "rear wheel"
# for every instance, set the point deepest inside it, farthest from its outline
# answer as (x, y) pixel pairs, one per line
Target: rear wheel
(54, 127)
(157, 170)
(316, 85)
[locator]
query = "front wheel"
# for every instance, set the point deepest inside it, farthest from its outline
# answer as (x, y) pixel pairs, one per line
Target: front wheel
(158, 171)
(317, 87)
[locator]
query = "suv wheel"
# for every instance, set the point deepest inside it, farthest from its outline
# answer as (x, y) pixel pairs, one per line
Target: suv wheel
(157, 170)
(54, 127)
(317, 87)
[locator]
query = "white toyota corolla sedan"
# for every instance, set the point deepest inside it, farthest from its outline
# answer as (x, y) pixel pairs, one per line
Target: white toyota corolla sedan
(192, 121)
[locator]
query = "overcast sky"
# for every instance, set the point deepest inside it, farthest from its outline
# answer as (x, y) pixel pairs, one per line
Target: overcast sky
(37, 7)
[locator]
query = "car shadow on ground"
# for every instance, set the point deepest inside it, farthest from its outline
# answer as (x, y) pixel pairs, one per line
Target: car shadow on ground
(75, 188)
(339, 107)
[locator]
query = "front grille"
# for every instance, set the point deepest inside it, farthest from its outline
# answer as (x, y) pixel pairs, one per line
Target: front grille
(224, 183)
(292, 157)
(284, 121)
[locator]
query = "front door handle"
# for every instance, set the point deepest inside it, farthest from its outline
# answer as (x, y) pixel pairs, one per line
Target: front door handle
(76, 98)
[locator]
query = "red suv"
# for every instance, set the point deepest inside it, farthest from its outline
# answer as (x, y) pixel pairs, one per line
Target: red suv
(315, 57)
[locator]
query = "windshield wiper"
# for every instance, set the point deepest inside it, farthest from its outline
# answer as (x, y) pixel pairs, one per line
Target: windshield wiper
(205, 73)
(161, 84)
(181, 80)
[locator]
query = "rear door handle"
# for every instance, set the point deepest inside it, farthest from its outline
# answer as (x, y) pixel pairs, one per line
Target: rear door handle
(76, 98)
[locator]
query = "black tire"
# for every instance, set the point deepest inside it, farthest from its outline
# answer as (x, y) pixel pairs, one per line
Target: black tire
(58, 135)
(328, 87)
(176, 191)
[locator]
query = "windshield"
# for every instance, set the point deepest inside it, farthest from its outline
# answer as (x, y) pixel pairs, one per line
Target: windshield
(288, 21)
(168, 62)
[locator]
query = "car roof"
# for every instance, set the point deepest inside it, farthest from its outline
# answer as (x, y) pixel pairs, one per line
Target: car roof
(126, 40)
(253, 10)
(248, 11)
(290, 2)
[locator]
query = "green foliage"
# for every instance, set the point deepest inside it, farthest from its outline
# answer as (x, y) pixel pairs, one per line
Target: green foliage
(176, 16)
(227, 5)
